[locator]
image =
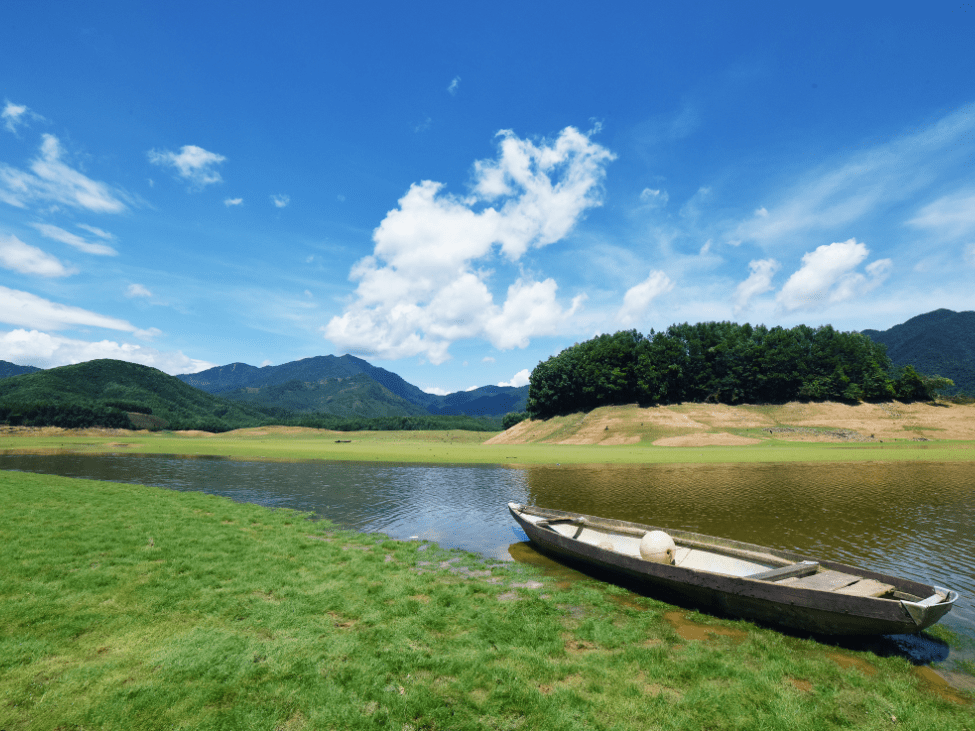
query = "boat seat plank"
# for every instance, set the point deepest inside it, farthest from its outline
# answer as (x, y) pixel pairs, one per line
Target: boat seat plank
(797, 570)
(866, 587)
(823, 581)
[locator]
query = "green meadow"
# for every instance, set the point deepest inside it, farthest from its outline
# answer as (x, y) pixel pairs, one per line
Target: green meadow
(464, 447)
(128, 607)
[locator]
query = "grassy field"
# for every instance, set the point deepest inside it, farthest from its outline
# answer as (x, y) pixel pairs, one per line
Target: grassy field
(125, 607)
(459, 447)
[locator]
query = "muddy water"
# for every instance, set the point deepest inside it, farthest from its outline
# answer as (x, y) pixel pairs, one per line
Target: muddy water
(910, 519)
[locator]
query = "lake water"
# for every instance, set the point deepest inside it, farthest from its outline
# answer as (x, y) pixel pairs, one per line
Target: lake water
(909, 519)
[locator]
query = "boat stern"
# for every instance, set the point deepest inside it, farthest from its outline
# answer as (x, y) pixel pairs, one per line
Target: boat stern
(929, 611)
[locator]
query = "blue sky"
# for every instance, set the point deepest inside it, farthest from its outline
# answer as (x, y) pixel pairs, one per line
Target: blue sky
(458, 193)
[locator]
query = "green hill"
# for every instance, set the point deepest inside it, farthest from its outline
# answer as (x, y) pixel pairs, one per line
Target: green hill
(936, 343)
(352, 396)
(115, 393)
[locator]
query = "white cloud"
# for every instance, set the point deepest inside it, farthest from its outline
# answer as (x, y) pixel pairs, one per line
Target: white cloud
(654, 198)
(27, 259)
(436, 391)
(24, 309)
(31, 347)
(487, 359)
(969, 254)
(51, 180)
(97, 231)
(14, 115)
(638, 298)
(868, 181)
(137, 290)
(952, 216)
(192, 163)
(518, 380)
(758, 282)
(266, 362)
(280, 201)
(66, 237)
(422, 289)
(828, 275)
(454, 84)
(232, 202)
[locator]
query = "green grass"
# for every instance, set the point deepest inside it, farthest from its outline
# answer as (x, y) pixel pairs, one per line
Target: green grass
(126, 607)
(459, 447)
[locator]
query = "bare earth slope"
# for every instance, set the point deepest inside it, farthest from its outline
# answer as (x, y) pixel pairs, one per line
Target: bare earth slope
(691, 425)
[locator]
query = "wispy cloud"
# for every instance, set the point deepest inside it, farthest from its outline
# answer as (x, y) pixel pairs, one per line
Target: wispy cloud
(422, 289)
(454, 85)
(66, 237)
(44, 350)
(638, 298)
(23, 309)
(50, 180)
(193, 164)
(27, 259)
(97, 231)
(654, 198)
(828, 275)
(951, 216)
(758, 282)
(280, 200)
(232, 202)
(137, 290)
(15, 115)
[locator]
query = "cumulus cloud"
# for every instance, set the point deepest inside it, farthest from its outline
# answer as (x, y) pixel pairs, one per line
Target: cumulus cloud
(952, 215)
(638, 298)
(41, 349)
(27, 259)
(436, 391)
(281, 200)
(66, 237)
(193, 164)
(454, 85)
(828, 275)
(137, 290)
(14, 115)
(50, 180)
(24, 309)
(232, 202)
(518, 380)
(758, 282)
(423, 288)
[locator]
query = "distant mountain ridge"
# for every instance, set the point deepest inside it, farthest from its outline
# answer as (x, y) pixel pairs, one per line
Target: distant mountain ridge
(321, 375)
(940, 343)
(8, 369)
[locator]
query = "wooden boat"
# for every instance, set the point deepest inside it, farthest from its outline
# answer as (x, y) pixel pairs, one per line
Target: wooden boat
(745, 580)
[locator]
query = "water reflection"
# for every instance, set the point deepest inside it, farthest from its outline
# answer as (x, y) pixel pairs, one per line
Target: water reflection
(909, 519)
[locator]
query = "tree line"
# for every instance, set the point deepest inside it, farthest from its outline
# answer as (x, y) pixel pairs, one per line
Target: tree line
(722, 362)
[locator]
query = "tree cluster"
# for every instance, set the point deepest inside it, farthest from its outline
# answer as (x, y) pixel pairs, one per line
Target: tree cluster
(722, 362)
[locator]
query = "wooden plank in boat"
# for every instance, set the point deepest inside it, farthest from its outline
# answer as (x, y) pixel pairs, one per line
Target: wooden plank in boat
(796, 570)
(823, 581)
(866, 587)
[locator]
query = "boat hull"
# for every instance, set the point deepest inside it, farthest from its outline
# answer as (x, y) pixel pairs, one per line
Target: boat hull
(810, 610)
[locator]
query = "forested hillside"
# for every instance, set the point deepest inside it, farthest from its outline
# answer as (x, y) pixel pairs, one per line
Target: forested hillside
(106, 392)
(721, 362)
(352, 396)
(940, 342)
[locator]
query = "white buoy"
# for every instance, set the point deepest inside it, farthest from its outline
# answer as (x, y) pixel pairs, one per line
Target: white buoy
(658, 547)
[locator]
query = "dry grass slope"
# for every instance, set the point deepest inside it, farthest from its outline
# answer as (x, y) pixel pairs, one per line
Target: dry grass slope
(693, 425)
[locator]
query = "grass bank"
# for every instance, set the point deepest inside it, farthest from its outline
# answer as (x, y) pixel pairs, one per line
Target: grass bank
(458, 447)
(140, 608)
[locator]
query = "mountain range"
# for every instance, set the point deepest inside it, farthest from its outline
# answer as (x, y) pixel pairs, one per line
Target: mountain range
(348, 386)
(939, 343)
